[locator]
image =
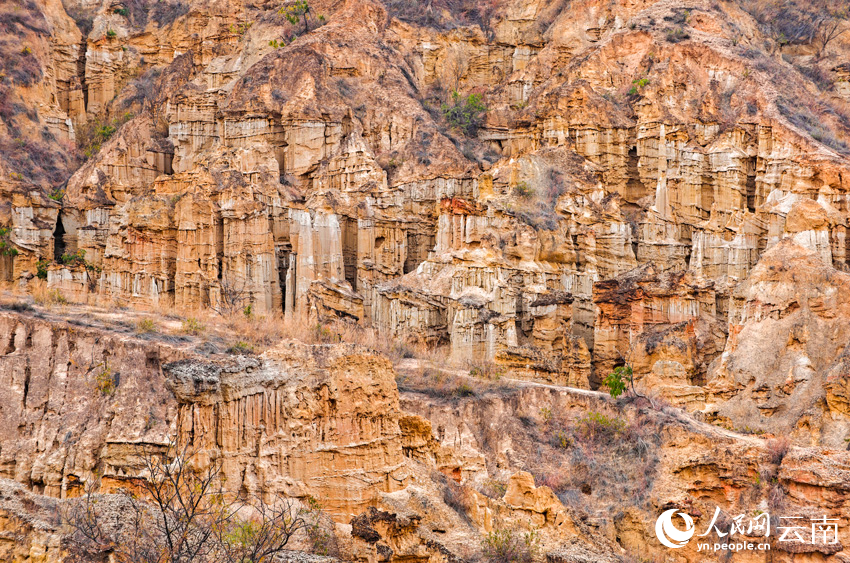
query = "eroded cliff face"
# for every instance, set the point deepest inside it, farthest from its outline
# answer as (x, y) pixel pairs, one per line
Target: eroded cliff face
(80, 403)
(410, 478)
(656, 183)
(309, 170)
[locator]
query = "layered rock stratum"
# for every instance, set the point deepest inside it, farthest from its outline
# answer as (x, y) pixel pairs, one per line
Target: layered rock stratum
(537, 191)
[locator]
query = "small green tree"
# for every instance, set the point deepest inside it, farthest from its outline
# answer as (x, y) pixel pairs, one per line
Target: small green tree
(467, 114)
(619, 380)
(622, 380)
(7, 248)
(41, 269)
(299, 12)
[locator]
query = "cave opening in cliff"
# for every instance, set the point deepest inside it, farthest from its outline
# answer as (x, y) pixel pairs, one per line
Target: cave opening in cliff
(635, 188)
(168, 163)
(349, 250)
(418, 247)
(58, 240)
(751, 185)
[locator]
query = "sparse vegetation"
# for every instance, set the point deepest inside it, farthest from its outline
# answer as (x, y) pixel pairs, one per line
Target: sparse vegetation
(233, 296)
(538, 207)
(319, 530)
(241, 348)
(240, 28)
(193, 326)
(813, 22)
(445, 14)
(454, 494)
(803, 117)
(165, 13)
(78, 260)
(301, 19)
(638, 84)
(446, 384)
(143, 89)
(44, 296)
(676, 34)
(7, 247)
(494, 488)
(523, 190)
(593, 427)
(94, 134)
(465, 113)
(145, 326)
(503, 545)
(19, 64)
(777, 448)
(181, 514)
(105, 381)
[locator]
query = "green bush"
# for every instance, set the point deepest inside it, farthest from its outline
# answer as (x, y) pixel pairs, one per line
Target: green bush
(300, 12)
(94, 134)
(193, 326)
(77, 259)
(637, 85)
(145, 326)
(41, 269)
(111, 33)
(6, 246)
(467, 114)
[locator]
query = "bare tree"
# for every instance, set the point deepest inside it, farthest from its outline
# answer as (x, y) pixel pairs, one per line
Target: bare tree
(180, 514)
(456, 67)
(262, 535)
(829, 27)
(233, 296)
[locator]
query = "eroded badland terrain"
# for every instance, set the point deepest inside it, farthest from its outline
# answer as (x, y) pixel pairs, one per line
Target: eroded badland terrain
(380, 258)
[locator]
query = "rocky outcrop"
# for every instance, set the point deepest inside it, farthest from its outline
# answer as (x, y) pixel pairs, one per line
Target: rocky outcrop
(301, 421)
(785, 356)
(313, 172)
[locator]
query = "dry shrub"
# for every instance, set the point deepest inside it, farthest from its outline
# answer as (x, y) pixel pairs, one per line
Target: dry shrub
(146, 326)
(19, 63)
(45, 296)
(440, 384)
(486, 370)
(38, 162)
(777, 448)
(598, 452)
(15, 17)
(776, 497)
(504, 545)
(494, 488)
(444, 14)
(455, 495)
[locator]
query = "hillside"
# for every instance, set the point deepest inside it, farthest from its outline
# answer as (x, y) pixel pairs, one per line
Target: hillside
(484, 208)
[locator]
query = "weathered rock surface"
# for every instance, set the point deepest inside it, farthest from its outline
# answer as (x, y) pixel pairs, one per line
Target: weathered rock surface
(659, 183)
(403, 478)
(300, 420)
(316, 175)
